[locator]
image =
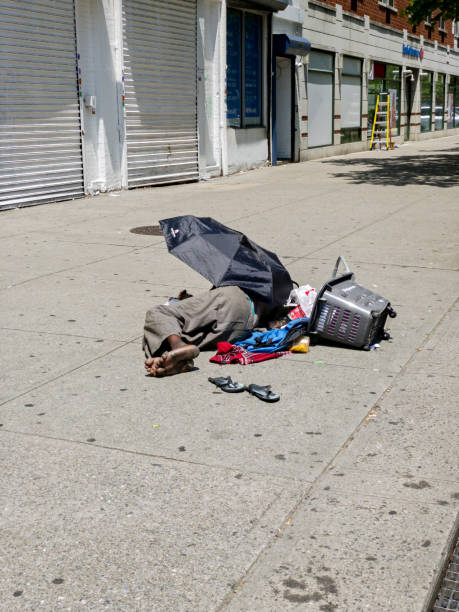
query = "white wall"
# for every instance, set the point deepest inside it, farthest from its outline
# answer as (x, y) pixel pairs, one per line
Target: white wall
(99, 44)
(210, 87)
(247, 148)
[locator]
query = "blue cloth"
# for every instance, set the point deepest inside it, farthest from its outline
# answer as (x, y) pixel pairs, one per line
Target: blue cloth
(274, 339)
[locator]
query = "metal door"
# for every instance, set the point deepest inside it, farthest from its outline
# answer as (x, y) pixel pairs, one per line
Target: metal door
(40, 133)
(284, 107)
(159, 62)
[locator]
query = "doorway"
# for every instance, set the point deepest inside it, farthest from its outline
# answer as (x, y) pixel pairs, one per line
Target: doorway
(410, 86)
(284, 108)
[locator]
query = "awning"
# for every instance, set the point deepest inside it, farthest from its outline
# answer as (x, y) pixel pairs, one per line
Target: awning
(261, 5)
(286, 44)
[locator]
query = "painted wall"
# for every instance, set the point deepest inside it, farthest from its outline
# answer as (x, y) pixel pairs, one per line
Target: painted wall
(210, 87)
(247, 148)
(99, 42)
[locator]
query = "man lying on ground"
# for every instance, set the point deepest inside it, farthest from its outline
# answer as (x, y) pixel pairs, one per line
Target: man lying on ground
(175, 333)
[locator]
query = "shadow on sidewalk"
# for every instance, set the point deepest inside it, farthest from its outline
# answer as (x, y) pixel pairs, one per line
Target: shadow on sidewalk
(435, 170)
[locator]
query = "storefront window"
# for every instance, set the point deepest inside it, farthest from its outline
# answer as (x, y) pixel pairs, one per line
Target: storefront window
(452, 102)
(244, 68)
(439, 101)
(386, 79)
(351, 100)
(320, 98)
(426, 101)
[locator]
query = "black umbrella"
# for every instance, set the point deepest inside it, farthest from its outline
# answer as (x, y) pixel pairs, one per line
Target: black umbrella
(227, 257)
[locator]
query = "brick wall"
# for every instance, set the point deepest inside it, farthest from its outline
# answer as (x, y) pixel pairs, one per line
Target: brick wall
(380, 14)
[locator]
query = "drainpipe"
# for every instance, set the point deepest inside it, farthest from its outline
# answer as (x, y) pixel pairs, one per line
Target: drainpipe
(222, 88)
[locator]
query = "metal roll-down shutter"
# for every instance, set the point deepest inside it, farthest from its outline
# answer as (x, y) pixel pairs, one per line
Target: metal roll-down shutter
(160, 91)
(40, 133)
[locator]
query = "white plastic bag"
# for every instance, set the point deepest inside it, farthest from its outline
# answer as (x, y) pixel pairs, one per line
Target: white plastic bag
(304, 296)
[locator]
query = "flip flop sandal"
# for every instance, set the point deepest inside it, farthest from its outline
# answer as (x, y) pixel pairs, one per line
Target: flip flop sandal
(220, 381)
(263, 393)
(225, 383)
(233, 387)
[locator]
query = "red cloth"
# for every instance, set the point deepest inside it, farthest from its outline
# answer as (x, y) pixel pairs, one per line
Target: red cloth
(230, 353)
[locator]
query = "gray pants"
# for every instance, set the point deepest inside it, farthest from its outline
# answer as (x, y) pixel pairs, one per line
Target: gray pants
(221, 314)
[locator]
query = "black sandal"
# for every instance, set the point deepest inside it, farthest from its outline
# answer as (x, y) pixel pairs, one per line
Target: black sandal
(263, 393)
(226, 384)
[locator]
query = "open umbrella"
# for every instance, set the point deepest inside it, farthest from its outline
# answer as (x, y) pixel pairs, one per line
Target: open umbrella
(227, 257)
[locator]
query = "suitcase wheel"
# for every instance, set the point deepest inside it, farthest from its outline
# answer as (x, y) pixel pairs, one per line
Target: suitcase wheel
(391, 312)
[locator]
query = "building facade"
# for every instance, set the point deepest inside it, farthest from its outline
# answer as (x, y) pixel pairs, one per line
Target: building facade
(360, 50)
(101, 95)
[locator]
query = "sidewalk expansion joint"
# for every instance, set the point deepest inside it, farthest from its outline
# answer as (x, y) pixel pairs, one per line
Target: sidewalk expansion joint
(381, 472)
(355, 231)
(299, 361)
(382, 263)
(66, 373)
(228, 468)
(49, 333)
(78, 267)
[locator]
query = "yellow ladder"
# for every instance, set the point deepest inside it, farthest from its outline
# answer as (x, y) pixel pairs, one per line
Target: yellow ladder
(381, 122)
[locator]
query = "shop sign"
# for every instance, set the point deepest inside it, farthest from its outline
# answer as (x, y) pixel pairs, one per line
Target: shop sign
(412, 51)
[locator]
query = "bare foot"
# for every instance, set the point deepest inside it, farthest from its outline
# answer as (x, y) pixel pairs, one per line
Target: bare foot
(177, 361)
(152, 364)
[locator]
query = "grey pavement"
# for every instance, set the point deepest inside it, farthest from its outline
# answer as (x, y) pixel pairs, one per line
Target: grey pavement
(122, 492)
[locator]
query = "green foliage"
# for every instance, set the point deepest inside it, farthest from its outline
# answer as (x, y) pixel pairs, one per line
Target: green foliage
(419, 10)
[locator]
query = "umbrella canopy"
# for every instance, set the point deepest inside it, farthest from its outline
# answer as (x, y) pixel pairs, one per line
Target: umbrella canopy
(227, 257)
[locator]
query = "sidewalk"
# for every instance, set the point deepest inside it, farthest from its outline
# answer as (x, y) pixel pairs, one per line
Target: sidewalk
(121, 492)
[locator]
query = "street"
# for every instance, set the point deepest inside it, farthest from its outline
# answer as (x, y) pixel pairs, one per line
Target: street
(128, 493)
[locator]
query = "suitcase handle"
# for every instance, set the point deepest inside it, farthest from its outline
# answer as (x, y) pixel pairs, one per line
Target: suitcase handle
(338, 261)
(334, 280)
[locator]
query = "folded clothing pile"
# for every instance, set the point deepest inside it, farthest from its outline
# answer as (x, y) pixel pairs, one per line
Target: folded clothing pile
(231, 353)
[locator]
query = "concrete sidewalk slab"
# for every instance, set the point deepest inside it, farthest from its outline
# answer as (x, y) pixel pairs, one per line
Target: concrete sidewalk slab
(109, 307)
(413, 431)
(35, 358)
(123, 492)
(396, 486)
(348, 553)
(427, 243)
(193, 421)
(31, 219)
(371, 525)
(438, 356)
(40, 256)
(99, 529)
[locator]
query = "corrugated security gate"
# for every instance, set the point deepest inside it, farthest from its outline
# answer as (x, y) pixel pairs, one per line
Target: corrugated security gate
(40, 135)
(160, 91)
